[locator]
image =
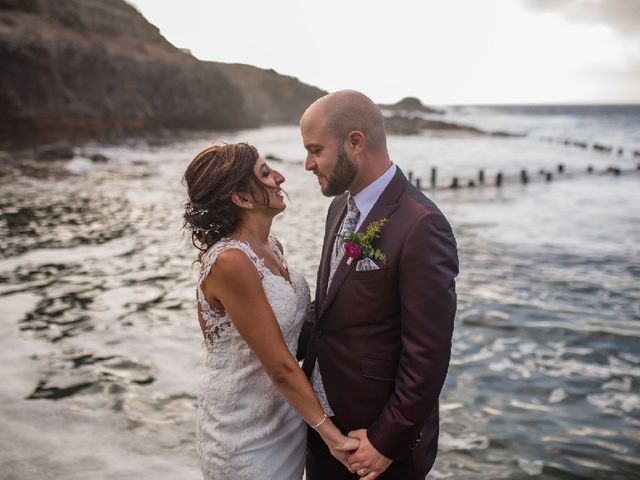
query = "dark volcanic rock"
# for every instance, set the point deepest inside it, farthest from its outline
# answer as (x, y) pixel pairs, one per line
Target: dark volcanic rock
(410, 104)
(74, 70)
(54, 152)
(402, 125)
(270, 97)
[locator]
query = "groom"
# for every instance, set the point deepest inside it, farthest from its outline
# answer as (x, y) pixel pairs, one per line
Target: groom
(376, 346)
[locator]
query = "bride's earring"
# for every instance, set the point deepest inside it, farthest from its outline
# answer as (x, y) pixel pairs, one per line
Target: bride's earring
(251, 205)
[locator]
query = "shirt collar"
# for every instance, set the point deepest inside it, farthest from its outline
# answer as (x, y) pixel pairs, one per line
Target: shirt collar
(368, 196)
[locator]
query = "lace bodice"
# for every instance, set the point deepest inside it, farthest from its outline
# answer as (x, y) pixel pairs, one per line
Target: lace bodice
(284, 297)
(239, 409)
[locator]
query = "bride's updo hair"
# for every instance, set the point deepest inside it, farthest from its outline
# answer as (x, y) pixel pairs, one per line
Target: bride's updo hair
(211, 177)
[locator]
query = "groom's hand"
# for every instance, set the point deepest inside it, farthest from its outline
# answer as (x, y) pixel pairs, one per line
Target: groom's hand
(367, 462)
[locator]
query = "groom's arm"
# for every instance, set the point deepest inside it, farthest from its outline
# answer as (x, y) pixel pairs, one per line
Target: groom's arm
(427, 269)
(305, 332)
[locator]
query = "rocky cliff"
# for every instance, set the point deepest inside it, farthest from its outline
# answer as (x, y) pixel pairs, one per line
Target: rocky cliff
(76, 70)
(280, 99)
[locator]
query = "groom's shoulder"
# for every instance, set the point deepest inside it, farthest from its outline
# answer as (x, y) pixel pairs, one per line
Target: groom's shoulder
(418, 203)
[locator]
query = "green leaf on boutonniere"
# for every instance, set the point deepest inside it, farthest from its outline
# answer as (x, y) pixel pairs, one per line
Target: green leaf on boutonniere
(364, 240)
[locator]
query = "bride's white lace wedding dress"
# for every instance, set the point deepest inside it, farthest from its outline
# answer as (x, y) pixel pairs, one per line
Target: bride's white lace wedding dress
(245, 429)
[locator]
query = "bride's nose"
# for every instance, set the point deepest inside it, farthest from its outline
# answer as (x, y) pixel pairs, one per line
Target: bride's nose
(279, 178)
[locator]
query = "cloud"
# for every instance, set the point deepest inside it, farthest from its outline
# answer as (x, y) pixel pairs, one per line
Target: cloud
(621, 15)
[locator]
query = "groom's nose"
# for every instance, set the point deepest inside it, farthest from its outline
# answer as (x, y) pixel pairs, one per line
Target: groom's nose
(309, 164)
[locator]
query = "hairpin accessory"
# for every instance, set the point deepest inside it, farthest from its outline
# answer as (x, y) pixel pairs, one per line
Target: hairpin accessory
(188, 207)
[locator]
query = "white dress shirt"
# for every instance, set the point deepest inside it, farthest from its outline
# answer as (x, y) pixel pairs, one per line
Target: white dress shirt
(368, 196)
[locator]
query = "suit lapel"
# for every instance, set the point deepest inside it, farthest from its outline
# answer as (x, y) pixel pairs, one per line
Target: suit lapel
(383, 208)
(327, 248)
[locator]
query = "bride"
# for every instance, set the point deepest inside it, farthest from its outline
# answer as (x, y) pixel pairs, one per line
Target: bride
(254, 399)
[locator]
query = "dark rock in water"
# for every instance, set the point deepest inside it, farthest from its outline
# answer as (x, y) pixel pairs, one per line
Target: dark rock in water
(273, 158)
(402, 125)
(54, 152)
(503, 134)
(601, 148)
(410, 104)
(77, 70)
(98, 158)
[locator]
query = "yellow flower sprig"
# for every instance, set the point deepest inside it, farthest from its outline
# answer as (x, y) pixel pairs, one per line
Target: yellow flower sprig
(358, 245)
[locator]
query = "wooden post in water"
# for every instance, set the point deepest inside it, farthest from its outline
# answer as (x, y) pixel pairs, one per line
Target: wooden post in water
(549, 176)
(434, 173)
(560, 168)
(418, 183)
(471, 184)
(620, 151)
(410, 176)
(454, 183)
(524, 178)
(590, 169)
(481, 177)
(499, 179)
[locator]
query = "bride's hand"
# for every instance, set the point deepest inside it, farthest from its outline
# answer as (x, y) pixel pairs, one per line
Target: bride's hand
(344, 449)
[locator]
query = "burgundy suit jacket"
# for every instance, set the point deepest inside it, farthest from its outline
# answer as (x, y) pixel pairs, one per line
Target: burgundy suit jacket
(383, 337)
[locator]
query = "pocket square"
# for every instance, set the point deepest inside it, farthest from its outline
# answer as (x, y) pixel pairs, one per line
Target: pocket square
(366, 265)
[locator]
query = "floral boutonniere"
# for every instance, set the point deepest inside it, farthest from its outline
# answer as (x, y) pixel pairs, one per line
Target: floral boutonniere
(357, 245)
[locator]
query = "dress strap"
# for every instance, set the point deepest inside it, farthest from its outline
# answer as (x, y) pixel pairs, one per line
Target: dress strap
(212, 255)
(276, 246)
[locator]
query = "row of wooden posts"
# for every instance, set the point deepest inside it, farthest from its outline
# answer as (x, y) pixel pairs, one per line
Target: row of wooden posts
(524, 177)
(598, 147)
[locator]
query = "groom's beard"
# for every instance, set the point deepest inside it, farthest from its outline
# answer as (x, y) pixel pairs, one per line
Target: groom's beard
(341, 176)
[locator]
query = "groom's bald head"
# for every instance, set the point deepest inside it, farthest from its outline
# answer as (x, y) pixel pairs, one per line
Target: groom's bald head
(346, 111)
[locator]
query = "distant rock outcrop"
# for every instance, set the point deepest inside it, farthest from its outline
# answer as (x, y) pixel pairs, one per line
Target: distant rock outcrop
(410, 104)
(74, 70)
(403, 125)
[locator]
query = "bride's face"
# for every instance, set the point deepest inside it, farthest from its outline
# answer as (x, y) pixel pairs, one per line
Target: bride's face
(271, 179)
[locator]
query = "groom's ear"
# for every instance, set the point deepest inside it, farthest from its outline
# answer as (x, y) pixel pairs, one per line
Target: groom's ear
(356, 141)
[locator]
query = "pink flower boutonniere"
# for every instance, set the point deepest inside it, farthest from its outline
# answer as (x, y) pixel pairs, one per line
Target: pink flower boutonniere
(357, 245)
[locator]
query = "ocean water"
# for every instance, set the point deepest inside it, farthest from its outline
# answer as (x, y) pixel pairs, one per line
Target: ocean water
(100, 349)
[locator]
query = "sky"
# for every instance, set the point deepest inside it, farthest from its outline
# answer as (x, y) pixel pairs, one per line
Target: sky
(442, 51)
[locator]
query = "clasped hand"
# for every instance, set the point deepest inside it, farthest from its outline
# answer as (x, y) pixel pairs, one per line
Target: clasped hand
(359, 456)
(366, 461)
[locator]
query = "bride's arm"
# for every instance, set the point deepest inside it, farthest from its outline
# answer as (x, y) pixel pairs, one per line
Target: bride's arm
(234, 282)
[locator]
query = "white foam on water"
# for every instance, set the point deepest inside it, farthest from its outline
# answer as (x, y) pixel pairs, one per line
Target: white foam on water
(447, 442)
(557, 395)
(531, 467)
